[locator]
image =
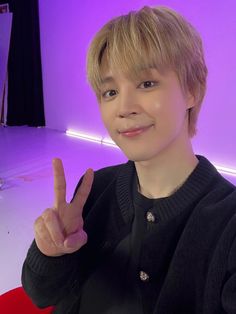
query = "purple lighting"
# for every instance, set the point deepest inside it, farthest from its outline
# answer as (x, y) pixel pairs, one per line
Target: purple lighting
(64, 45)
(109, 142)
(91, 138)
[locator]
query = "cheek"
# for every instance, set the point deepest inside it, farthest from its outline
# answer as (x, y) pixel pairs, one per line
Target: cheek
(171, 101)
(169, 111)
(106, 117)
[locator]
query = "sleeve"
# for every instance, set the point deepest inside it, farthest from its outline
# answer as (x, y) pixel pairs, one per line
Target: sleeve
(229, 288)
(49, 279)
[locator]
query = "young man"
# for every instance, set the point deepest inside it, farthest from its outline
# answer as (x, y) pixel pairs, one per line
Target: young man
(157, 234)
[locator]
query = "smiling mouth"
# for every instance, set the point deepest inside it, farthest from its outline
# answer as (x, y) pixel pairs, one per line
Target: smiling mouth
(135, 131)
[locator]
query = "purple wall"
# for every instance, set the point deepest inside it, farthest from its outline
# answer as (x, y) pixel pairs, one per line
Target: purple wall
(66, 30)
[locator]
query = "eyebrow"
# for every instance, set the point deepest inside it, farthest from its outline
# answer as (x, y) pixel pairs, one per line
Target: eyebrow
(107, 79)
(143, 71)
(148, 70)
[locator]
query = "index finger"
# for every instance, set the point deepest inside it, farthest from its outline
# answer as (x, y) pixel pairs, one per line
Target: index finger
(59, 182)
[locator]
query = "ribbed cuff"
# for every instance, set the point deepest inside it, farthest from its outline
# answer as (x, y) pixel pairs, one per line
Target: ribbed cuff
(46, 265)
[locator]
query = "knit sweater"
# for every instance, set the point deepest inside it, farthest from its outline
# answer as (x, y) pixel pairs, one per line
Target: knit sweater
(172, 255)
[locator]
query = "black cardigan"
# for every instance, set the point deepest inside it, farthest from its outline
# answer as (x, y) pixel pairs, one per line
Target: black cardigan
(197, 225)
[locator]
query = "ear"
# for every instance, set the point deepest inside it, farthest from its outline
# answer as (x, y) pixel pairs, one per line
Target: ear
(190, 100)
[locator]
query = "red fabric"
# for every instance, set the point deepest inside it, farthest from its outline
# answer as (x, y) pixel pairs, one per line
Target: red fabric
(17, 301)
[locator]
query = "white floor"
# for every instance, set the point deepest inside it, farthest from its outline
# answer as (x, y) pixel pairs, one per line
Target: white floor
(25, 168)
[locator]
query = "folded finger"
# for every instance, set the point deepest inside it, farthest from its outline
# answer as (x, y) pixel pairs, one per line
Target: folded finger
(42, 236)
(52, 223)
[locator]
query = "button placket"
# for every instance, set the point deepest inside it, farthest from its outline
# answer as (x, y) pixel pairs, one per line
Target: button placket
(144, 276)
(150, 217)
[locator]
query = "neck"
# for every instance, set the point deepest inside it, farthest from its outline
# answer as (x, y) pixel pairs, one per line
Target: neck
(166, 173)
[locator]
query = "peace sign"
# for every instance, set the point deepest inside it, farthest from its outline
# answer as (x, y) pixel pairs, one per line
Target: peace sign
(59, 230)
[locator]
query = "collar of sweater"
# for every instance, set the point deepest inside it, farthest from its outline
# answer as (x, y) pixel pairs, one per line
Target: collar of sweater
(198, 184)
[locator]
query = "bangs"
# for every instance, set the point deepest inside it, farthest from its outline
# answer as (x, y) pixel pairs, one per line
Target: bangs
(128, 47)
(156, 38)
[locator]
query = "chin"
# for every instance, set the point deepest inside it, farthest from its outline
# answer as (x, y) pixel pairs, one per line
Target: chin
(136, 157)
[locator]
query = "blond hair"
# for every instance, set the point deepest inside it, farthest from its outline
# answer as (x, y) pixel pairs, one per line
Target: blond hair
(152, 37)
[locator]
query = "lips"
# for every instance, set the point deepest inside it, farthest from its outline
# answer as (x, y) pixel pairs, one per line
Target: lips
(134, 131)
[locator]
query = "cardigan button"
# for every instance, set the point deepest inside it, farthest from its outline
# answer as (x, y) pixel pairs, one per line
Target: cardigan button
(143, 276)
(150, 217)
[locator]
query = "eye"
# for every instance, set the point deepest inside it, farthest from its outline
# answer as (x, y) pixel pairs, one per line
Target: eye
(147, 84)
(109, 93)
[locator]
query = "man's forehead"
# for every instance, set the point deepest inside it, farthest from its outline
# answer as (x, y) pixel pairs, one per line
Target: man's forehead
(109, 74)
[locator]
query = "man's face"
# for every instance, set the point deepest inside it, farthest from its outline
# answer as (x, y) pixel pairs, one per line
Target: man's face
(146, 116)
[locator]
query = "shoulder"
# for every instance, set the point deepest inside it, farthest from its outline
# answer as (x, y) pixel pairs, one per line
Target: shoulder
(108, 173)
(215, 212)
(104, 178)
(225, 197)
(219, 196)
(219, 216)
(219, 207)
(232, 255)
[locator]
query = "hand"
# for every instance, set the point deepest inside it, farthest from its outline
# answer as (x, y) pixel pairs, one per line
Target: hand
(59, 230)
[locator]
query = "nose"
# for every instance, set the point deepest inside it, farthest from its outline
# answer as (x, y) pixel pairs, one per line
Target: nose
(128, 103)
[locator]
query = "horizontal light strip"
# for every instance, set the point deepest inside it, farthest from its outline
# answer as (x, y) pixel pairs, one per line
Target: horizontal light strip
(91, 138)
(83, 136)
(229, 171)
(108, 142)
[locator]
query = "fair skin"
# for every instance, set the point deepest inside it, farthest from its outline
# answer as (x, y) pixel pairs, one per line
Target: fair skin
(147, 118)
(59, 230)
